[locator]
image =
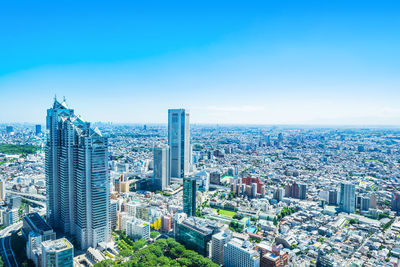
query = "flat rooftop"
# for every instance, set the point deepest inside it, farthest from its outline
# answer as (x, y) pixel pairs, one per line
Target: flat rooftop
(38, 222)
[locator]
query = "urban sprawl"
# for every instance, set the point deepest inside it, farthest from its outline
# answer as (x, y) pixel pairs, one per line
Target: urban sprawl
(75, 193)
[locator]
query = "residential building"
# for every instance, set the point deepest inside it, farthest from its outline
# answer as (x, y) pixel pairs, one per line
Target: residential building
(347, 197)
(217, 246)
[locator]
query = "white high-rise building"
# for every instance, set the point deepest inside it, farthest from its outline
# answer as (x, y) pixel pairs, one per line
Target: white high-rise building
(238, 253)
(77, 178)
(347, 197)
(217, 246)
(179, 142)
(162, 171)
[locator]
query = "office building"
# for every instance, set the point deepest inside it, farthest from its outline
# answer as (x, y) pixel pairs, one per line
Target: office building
(179, 142)
(33, 222)
(38, 129)
(238, 253)
(195, 234)
(217, 246)
(189, 196)
(57, 253)
(162, 172)
(77, 178)
(347, 197)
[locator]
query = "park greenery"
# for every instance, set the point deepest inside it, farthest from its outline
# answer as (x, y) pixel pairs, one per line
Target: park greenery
(285, 212)
(154, 234)
(387, 225)
(235, 226)
(163, 252)
(18, 149)
(226, 212)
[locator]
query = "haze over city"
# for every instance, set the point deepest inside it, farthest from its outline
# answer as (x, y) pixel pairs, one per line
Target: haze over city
(254, 62)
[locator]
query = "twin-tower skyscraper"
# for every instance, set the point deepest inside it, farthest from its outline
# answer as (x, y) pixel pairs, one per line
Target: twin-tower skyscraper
(77, 177)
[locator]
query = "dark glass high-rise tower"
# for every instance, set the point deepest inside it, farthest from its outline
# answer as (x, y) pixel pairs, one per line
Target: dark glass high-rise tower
(189, 196)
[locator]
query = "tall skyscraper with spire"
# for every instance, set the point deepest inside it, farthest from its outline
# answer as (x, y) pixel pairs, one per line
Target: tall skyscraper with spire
(78, 188)
(179, 142)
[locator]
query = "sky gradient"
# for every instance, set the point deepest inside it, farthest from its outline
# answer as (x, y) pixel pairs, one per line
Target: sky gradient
(248, 62)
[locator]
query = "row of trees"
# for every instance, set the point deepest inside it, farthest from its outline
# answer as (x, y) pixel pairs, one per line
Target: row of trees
(163, 252)
(18, 149)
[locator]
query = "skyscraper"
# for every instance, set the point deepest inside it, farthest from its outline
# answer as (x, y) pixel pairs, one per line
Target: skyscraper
(162, 171)
(179, 142)
(189, 196)
(347, 197)
(78, 187)
(38, 129)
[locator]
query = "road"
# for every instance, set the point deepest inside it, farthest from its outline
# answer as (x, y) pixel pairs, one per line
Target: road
(6, 252)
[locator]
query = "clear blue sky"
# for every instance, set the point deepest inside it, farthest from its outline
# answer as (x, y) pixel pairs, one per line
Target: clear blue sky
(264, 62)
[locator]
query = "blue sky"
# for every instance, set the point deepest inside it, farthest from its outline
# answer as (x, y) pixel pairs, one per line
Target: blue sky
(254, 62)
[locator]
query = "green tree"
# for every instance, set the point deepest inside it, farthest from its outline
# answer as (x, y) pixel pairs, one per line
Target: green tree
(154, 234)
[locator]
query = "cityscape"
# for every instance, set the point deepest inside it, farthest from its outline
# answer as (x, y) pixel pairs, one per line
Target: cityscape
(200, 133)
(82, 194)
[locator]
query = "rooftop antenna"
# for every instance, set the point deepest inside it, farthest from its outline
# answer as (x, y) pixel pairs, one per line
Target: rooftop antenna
(55, 97)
